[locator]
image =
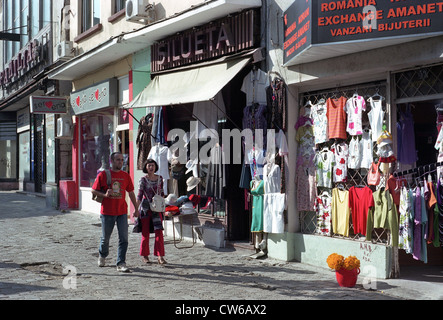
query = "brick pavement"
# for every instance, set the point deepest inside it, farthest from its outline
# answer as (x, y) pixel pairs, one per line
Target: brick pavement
(39, 245)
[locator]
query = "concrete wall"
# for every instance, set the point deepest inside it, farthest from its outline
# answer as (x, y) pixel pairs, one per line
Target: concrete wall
(163, 8)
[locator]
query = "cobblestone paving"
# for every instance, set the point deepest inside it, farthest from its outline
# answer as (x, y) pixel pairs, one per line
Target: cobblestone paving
(40, 245)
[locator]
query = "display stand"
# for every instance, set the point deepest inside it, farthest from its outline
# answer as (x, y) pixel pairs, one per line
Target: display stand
(180, 218)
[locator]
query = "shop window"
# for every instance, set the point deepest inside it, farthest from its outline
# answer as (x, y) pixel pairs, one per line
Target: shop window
(97, 144)
(419, 82)
(8, 150)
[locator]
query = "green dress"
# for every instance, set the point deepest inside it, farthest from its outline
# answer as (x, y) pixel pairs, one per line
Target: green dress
(257, 206)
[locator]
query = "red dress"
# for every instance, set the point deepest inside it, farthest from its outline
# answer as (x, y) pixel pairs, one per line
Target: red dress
(360, 200)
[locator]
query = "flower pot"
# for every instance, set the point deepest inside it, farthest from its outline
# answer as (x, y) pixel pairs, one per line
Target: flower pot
(347, 278)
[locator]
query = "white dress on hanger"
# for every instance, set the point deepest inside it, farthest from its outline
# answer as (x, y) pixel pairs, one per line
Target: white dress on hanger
(376, 116)
(274, 202)
(366, 149)
(161, 155)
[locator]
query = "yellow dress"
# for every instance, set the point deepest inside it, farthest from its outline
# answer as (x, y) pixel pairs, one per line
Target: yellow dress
(340, 212)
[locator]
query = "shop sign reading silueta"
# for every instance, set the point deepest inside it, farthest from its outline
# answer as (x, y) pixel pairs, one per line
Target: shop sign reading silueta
(218, 38)
(45, 105)
(98, 96)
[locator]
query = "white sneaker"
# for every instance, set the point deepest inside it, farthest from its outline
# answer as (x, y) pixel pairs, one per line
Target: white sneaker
(101, 261)
(122, 268)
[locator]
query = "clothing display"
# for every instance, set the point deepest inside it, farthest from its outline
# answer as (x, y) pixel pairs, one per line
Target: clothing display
(355, 153)
(354, 107)
(383, 215)
(405, 230)
(336, 118)
(324, 164)
(323, 212)
(257, 192)
(161, 155)
(306, 188)
(366, 149)
(143, 140)
(360, 201)
(276, 100)
(376, 116)
(407, 152)
(340, 212)
(254, 85)
(320, 119)
(341, 153)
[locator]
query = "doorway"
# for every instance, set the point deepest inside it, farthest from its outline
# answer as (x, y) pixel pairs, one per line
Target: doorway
(426, 123)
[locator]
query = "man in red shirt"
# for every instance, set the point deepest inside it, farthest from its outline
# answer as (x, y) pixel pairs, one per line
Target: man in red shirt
(114, 209)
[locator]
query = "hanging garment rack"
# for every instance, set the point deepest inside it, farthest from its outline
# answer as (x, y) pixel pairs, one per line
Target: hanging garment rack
(419, 170)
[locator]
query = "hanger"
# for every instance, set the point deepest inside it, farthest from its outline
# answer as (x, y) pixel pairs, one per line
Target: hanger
(377, 95)
(340, 186)
(308, 103)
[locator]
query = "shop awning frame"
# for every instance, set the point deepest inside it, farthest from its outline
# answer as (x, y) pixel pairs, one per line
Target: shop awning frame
(198, 84)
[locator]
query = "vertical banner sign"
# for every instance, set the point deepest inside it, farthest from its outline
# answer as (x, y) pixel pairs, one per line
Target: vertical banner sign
(297, 28)
(347, 21)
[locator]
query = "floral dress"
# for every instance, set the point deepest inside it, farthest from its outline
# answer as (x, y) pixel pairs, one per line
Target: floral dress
(305, 170)
(405, 227)
(324, 163)
(323, 211)
(341, 152)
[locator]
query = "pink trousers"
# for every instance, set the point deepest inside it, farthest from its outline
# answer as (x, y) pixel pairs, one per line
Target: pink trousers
(159, 244)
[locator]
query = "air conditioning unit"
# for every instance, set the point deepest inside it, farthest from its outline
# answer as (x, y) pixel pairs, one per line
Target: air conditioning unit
(63, 51)
(140, 11)
(64, 127)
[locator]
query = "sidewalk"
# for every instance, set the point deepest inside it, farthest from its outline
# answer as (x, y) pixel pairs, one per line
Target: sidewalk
(40, 245)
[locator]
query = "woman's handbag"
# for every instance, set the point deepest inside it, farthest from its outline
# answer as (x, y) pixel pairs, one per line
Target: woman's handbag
(374, 174)
(158, 203)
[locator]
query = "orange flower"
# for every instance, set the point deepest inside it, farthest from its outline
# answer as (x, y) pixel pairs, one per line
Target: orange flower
(337, 262)
(351, 262)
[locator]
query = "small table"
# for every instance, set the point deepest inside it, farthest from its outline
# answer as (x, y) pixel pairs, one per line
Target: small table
(180, 220)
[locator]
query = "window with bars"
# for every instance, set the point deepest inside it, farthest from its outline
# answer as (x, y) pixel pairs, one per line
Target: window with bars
(420, 82)
(355, 177)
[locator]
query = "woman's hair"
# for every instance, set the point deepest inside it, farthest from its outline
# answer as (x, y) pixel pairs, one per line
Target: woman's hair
(146, 163)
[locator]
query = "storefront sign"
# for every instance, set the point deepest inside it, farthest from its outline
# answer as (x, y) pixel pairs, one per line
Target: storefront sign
(23, 120)
(97, 96)
(225, 36)
(44, 104)
(29, 57)
(310, 23)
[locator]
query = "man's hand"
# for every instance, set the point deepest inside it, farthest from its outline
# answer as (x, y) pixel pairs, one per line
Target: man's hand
(109, 193)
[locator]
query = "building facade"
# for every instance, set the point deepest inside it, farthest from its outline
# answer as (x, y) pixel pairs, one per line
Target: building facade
(387, 55)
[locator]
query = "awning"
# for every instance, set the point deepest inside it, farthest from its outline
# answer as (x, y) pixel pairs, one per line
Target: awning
(188, 86)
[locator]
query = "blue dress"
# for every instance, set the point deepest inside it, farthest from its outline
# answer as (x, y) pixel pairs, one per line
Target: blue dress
(257, 206)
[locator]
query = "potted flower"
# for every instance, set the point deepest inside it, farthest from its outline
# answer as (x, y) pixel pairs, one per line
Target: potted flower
(346, 270)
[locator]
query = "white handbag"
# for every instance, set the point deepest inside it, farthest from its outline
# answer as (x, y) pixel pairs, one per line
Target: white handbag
(157, 203)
